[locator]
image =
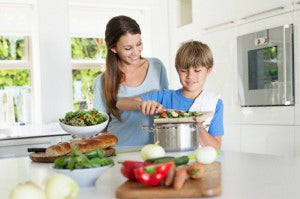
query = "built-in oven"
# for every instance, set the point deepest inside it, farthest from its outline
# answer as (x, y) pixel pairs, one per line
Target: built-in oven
(266, 67)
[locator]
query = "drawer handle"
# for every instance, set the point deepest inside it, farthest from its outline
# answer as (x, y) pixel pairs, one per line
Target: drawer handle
(263, 12)
(217, 25)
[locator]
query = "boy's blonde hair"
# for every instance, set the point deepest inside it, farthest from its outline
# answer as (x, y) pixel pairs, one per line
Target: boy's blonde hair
(193, 54)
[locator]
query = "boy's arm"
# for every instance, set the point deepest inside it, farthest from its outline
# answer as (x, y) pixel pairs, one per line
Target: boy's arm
(148, 107)
(208, 140)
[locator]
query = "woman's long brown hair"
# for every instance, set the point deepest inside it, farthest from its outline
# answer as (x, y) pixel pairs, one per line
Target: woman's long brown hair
(113, 76)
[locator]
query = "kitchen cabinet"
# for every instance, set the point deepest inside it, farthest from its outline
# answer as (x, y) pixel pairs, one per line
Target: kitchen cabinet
(296, 4)
(213, 14)
(297, 64)
(18, 147)
(252, 10)
(297, 141)
(267, 139)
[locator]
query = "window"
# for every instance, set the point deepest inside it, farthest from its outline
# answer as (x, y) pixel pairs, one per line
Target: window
(88, 55)
(15, 81)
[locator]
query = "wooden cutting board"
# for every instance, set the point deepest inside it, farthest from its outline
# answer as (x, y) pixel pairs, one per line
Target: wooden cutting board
(208, 185)
(192, 119)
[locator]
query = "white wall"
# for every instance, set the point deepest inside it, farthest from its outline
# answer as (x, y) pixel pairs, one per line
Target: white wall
(268, 130)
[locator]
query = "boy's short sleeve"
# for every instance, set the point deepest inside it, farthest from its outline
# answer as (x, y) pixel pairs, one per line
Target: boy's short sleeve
(155, 96)
(216, 125)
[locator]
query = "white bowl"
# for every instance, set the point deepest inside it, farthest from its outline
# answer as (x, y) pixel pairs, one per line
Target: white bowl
(84, 177)
(85, 131)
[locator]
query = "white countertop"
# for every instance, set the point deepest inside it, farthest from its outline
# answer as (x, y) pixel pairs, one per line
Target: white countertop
(244, 175)
(29, 131)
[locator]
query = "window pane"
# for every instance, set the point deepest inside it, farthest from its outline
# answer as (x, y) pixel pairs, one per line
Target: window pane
(14, 78)
(12, 48)
(15, 98)
(88, 48)
(83, 80)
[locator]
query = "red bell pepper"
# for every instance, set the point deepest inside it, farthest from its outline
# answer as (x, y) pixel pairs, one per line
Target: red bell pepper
(128, 168)
(154, 174)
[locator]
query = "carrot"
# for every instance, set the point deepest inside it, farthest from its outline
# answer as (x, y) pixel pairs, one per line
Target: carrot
(180, 177)
(170, 177)
(195, 171)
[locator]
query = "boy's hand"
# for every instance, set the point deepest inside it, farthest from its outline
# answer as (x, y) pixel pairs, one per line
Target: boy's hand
(150, 107)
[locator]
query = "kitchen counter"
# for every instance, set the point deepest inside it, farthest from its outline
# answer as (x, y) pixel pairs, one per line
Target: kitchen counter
(31, 131)
(244, 175)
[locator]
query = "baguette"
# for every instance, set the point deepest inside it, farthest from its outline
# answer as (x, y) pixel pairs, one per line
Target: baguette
(102, 141)
(59, 149)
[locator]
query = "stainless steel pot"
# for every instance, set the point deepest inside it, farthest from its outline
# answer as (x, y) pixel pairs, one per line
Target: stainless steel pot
(176, 137)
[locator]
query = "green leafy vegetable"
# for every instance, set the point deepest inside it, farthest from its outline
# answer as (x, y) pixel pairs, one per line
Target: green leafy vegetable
(77, 160)
(83, 118)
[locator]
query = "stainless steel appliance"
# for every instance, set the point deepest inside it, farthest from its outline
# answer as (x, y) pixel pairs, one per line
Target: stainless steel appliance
(266, 67)
(176, 137)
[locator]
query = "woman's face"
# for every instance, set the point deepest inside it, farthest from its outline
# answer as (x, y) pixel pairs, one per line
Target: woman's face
(129, 48)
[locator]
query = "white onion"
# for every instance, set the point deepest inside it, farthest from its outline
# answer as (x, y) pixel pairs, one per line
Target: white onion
(27, 190)
(150, 151)
(206, 155)
(60, 186)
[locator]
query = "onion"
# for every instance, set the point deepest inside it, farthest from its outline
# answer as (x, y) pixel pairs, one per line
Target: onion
(150, 151)
(206, 155)
(60, 186)
(27, 190)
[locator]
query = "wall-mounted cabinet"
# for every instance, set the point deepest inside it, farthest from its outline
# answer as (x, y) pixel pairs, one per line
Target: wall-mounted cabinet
(251, 10)
(213, 14)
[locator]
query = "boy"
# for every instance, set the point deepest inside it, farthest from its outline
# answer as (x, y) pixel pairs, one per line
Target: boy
(194, 62)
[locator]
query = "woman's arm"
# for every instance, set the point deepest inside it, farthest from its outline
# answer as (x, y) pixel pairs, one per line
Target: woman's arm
(129, 104)
(148, 107)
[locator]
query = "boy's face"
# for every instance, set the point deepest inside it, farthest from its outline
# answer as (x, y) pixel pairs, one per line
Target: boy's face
(193, 78)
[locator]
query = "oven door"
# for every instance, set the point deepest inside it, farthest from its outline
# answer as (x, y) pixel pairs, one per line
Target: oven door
(266, 67)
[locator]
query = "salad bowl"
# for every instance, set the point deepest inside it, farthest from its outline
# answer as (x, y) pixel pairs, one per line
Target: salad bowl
(85, 131)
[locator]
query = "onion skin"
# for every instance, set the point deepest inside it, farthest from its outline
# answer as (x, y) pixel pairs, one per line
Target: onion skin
(60, 186)
(150, 151)
(206, 155)
(27, 190)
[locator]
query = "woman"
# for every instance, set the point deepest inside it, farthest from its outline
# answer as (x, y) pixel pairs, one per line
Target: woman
(127, 74)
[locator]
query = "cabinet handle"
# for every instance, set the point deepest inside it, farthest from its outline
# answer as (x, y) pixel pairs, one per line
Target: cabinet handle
(217, 25)
(263, 12)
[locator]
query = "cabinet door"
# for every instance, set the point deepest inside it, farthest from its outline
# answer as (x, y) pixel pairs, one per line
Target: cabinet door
(249, 10)
(296, 64)
(223, 77)
(267, 139)
(18, 147)
(213, 14)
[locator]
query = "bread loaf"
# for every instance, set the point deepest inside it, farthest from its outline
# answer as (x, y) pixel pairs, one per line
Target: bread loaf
(102, 141)
(62, 148)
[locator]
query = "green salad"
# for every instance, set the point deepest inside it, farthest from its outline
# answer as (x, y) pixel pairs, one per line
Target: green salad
(83, 118)
(77, 160)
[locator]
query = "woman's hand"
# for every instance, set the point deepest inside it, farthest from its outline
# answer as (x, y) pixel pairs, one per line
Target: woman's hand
(150, 107)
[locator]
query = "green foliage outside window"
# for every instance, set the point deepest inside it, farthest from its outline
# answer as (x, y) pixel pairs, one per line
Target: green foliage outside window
(86, 77)
(12, 48)
(86, 49)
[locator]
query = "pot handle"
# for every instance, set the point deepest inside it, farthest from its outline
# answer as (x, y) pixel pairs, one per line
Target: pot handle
(149, 129)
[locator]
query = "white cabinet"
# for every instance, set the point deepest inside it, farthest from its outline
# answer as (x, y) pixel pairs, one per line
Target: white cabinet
(250, 10)
(267, 139)
(18, 147)
(223, 77)
(297, 64)
(297, 141)
(213, 14)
